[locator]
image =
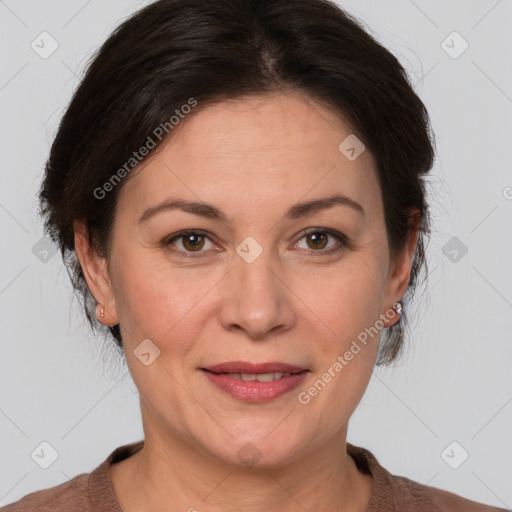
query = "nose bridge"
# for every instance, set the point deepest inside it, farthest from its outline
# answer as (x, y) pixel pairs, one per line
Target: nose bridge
(257, 300)
(253, 267)
(253, 271)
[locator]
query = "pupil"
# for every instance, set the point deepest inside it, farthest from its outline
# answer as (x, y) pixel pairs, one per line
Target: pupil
(191, 242)
(317, 238)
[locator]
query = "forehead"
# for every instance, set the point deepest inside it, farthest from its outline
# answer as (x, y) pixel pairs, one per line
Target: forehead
(254, 151)
(281, 124)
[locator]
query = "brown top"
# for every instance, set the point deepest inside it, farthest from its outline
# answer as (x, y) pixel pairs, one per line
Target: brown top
(93, 492)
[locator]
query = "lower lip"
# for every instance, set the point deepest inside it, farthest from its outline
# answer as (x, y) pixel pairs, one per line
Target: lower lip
(255, 391)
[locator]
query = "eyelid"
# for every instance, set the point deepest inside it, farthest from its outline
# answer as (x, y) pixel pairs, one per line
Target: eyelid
(340, 237)
(168, 241)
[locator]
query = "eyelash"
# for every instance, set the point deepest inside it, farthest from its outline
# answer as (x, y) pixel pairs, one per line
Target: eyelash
(344, 242)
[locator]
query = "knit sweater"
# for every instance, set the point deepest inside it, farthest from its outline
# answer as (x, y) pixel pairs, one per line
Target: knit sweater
(93, 492)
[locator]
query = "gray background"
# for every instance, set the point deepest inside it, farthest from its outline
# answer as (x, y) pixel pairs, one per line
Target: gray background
(57, 381)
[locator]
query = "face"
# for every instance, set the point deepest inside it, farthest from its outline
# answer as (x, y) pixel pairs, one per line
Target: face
(256, 279)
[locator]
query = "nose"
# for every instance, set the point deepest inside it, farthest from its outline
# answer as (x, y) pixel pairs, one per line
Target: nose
(256, 298)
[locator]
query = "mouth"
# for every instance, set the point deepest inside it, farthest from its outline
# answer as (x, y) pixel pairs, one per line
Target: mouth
(247, 368)
(255, 382)
(260, 377)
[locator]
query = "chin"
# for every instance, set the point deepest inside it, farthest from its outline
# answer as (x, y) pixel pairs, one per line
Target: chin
(264, 450)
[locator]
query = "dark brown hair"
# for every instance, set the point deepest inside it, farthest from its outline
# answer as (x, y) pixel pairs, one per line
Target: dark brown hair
(175, 50)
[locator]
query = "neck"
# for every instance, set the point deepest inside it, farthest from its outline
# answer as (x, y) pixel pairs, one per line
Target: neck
(170, 472)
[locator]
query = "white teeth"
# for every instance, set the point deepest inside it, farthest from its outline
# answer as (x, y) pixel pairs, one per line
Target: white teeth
(267, 377)
(260, 377)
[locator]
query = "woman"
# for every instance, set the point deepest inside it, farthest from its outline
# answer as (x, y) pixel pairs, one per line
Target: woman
(238, 186)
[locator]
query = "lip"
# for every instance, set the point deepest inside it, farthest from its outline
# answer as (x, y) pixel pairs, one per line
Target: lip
(246, 367)
(255, 391)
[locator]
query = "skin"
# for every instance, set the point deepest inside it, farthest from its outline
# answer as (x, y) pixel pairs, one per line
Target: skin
(252, 159)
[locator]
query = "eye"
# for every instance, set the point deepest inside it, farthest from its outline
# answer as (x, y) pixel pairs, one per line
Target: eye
(191, 242)
(317, 241)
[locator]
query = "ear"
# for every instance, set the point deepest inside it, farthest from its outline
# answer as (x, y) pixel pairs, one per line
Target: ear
(96, 274)
(399, 275)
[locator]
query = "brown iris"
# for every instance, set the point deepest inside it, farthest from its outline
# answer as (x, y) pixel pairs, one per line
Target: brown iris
(193, 242)
(319, 236)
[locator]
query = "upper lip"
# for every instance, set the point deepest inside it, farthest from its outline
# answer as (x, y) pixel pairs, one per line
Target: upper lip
(246, 367)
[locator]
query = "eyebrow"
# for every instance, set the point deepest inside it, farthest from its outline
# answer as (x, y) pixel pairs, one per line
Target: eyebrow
(209, 211)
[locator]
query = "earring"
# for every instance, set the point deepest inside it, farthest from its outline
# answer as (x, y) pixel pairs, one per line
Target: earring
(102, 314)
(397, 306)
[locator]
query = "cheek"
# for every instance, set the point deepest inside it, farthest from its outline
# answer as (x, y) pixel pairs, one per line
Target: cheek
(346, 354)
(351, 299)
(153, 300)
(156, 304)
(346, 357)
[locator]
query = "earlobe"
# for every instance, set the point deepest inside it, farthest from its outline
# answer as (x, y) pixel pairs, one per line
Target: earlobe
(400, 275)
(96, 275)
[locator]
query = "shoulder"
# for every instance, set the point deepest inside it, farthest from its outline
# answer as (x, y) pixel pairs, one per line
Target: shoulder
(401, 494)
(70, 495)
(410, 493)
(86, 492)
